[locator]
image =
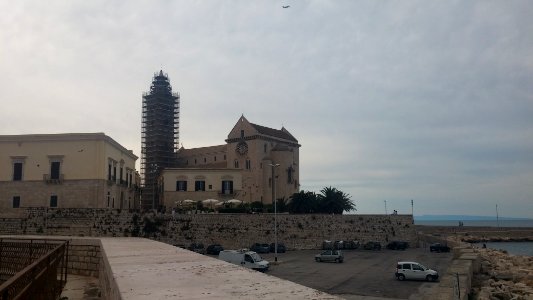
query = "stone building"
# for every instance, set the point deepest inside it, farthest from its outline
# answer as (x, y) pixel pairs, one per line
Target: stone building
(242, 168)
(71, 170)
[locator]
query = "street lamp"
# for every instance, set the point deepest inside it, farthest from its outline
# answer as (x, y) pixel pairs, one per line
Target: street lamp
(275, 212)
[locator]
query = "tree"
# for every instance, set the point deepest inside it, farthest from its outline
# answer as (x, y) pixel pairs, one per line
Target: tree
(333, 201)
(302, 202)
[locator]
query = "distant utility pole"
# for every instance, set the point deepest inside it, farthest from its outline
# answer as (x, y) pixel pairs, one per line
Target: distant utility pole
(386, 213)
(412, 209)
(497, 217)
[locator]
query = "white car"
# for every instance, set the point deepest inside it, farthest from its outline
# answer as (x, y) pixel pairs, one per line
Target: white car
(416, 271)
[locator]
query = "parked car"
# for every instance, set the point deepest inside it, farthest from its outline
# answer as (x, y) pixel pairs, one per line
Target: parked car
(244, 258)
(214, 249)
(327, 245)
(197, 247)
(338, 245)
(260, 248)
(415, 271)
(330, 255)
(397, 245)
(372, 245)
(351, 244)
(438, 247)
(281, 248)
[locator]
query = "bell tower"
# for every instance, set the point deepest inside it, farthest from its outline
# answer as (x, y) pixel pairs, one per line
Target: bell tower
(159, 135)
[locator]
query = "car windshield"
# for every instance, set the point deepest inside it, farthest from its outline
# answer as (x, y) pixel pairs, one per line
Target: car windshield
(256, 257)
(422, 266)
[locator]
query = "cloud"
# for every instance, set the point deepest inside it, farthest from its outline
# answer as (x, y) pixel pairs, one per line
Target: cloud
(424, 100)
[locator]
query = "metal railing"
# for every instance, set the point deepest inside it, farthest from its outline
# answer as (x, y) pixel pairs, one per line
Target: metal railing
(39, 267)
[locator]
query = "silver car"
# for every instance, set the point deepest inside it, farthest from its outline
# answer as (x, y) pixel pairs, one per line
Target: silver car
(414, 270)
(330, 255)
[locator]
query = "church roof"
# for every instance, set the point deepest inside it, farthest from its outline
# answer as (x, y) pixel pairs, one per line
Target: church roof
(282, 134)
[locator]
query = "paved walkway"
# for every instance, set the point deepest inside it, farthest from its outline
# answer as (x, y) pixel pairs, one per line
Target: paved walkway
(80, 288)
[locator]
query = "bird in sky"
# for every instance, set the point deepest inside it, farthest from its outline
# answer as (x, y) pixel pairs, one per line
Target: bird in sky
(286, 6)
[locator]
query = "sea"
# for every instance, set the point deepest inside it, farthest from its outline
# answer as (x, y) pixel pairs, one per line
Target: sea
(481, 223)
(515, 248)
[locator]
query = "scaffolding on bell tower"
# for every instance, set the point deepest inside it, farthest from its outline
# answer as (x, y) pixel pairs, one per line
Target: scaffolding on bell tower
(159, 135)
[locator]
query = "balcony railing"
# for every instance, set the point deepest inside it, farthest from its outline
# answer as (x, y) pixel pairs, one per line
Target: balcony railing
(48, 179)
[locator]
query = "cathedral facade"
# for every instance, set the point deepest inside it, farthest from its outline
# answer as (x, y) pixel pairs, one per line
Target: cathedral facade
(255, 163)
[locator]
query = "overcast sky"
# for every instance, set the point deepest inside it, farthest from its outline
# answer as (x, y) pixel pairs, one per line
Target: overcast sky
(390, 100)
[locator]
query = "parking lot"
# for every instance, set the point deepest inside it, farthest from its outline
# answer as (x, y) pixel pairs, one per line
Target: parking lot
(366, 273)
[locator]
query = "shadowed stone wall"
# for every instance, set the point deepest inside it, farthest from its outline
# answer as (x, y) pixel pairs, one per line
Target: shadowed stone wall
(230, 230)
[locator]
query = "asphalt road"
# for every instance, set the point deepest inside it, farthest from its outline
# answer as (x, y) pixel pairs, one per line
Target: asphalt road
(366, 273)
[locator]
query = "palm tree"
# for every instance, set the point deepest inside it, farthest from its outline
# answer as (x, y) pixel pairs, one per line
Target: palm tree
(281, 204)
(302, 202)
(333, 201)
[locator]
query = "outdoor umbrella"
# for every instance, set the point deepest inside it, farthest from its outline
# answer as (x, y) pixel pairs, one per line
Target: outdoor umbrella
(234, 201)
(210, 202)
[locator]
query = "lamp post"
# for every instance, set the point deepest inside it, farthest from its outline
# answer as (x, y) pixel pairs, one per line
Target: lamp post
(275, 212)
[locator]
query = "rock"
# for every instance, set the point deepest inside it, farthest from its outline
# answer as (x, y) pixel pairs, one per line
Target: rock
(504, 276)
(502, 295)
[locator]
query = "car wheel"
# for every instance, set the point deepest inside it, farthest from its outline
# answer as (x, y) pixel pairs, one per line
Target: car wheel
(337, 260)
(429, 278)
(401, 277)
(318, 259)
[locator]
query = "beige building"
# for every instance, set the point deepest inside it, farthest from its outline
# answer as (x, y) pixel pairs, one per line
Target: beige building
(251, 150)
(66, 170)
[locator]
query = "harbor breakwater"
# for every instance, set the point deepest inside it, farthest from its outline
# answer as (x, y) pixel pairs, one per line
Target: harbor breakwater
(497, 274)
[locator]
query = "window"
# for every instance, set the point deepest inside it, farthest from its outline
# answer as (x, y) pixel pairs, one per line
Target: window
(210, 186)
(265, 148)
(195, 161)
(205, 160)
(181, 186)
(417, 267)
(17, 171)
(236, 164)
(16, 201)
(54, 169)
(224, 156)
(248, 164)
(114, 173)
(121, 173)
(248, 258)
(53, 201)
(215, 158)
(290, 171)
(108, 198)
(242, 134)
(199, 185)
(130, 180)
(270, 182)
(227, 187)
(109, 172)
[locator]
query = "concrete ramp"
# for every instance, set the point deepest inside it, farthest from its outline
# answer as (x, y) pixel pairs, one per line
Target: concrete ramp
(136, 268)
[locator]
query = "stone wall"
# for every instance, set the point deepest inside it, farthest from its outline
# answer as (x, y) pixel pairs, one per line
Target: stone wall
(230, 230)
(84, 257)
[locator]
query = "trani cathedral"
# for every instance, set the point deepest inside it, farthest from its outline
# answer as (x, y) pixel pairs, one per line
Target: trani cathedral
(242, 168)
